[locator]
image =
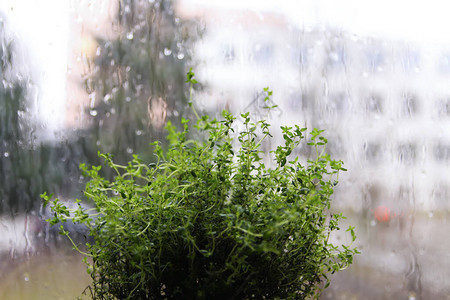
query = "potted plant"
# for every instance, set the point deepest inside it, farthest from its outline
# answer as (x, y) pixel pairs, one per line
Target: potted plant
(209, 220)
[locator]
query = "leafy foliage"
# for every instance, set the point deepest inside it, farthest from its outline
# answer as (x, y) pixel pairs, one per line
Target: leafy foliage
(210, 220)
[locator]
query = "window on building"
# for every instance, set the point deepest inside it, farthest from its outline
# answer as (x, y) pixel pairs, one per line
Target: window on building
(262, 54)
(374, 104)
(443, 107)
(299, 56)
(298, 101)
(409, 104)
(443, 64)
(228, 53)
(441, 196)
(375, 59)
(406, 154)
(372, 151)
(337, 102)
(441, 152)
(336, 57)
(410, 60)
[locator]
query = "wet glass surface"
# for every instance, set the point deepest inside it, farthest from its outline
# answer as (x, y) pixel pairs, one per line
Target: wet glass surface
(77, 77)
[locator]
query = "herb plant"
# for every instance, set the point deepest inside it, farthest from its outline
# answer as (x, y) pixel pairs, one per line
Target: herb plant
(209, 220)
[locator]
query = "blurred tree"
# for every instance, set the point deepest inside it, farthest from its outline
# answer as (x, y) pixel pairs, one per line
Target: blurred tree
(22, 172)
(17, 157)
(137, 79)
(28, 167)
(136, 84)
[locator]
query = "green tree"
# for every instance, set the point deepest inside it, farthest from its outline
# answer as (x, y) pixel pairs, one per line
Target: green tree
(135, 79)
(27, 165)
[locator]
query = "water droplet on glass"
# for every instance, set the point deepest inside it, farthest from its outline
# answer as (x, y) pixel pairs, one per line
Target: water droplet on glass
(129, 150)
(127, 99)
(130, 35)
(107, 98)
(167, 51)
(180, 55)
(6, 154)
(93, 112)
(138, 132)
(334, 56)
(98, 143)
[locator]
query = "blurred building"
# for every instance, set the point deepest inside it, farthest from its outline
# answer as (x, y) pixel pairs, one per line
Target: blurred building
(385, 105)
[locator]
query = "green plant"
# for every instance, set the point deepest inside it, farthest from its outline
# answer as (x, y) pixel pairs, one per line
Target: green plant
(210, 220)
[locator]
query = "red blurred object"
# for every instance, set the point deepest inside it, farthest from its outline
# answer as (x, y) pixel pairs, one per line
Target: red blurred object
(383, 214)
